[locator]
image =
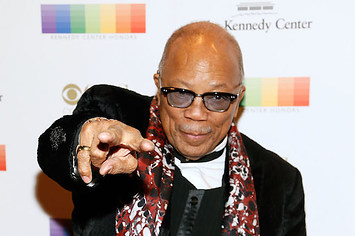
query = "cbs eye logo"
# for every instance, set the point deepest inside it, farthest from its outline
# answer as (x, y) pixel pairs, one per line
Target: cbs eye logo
(72, 93)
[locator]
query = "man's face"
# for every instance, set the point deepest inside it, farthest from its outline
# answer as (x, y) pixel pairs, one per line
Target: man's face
(202, 66)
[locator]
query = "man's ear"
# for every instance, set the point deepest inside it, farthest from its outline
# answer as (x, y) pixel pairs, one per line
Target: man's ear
(157, 84)
(156, 80)
(241, 94)
(239, 99)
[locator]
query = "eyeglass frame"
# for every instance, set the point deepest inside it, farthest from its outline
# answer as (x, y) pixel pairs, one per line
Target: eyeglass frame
(166, 90)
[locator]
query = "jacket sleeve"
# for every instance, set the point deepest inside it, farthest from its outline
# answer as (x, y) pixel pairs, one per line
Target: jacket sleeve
(57, 144)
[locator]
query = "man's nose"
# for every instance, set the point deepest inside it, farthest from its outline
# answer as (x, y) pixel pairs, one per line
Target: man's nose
(197, 110)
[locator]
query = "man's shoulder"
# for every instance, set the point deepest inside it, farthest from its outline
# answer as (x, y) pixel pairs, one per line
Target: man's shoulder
(266, 163)
(279, 191)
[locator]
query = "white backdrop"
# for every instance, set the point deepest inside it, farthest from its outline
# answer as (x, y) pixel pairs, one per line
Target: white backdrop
(35, 68)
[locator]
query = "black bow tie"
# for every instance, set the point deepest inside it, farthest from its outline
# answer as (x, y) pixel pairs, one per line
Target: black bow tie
(209, 157)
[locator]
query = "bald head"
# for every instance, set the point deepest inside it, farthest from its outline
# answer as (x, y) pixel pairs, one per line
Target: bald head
(195, 34)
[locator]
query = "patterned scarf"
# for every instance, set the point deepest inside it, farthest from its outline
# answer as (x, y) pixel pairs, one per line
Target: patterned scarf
(144, 215)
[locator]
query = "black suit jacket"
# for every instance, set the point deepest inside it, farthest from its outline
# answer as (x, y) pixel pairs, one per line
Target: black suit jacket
(278, 185)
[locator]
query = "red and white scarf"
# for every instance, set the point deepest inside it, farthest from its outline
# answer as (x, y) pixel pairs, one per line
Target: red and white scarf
(145, 213)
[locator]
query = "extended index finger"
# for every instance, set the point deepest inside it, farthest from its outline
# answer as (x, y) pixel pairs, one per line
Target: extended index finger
(146, 145)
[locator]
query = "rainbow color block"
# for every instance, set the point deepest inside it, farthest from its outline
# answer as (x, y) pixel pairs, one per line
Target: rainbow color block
(2, 158)
(93, 18)
(274, 92)
(60, 227)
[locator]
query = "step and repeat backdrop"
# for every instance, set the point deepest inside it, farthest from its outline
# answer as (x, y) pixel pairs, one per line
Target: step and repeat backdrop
(299, 61)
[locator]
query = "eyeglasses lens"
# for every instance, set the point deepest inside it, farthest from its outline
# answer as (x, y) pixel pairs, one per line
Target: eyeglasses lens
(217, 102)
(180, 99)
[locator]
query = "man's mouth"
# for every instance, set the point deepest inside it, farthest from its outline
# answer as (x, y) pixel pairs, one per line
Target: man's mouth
(195, 136)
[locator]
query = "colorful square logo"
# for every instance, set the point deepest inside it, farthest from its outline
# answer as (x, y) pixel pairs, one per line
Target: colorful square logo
(93, 18)
(276, 92)
(2, 158)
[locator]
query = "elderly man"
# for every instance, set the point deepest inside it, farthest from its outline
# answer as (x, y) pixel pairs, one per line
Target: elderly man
(193, 173)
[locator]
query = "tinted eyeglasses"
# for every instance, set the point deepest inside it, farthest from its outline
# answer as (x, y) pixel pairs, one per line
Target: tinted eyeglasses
(213, 101)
